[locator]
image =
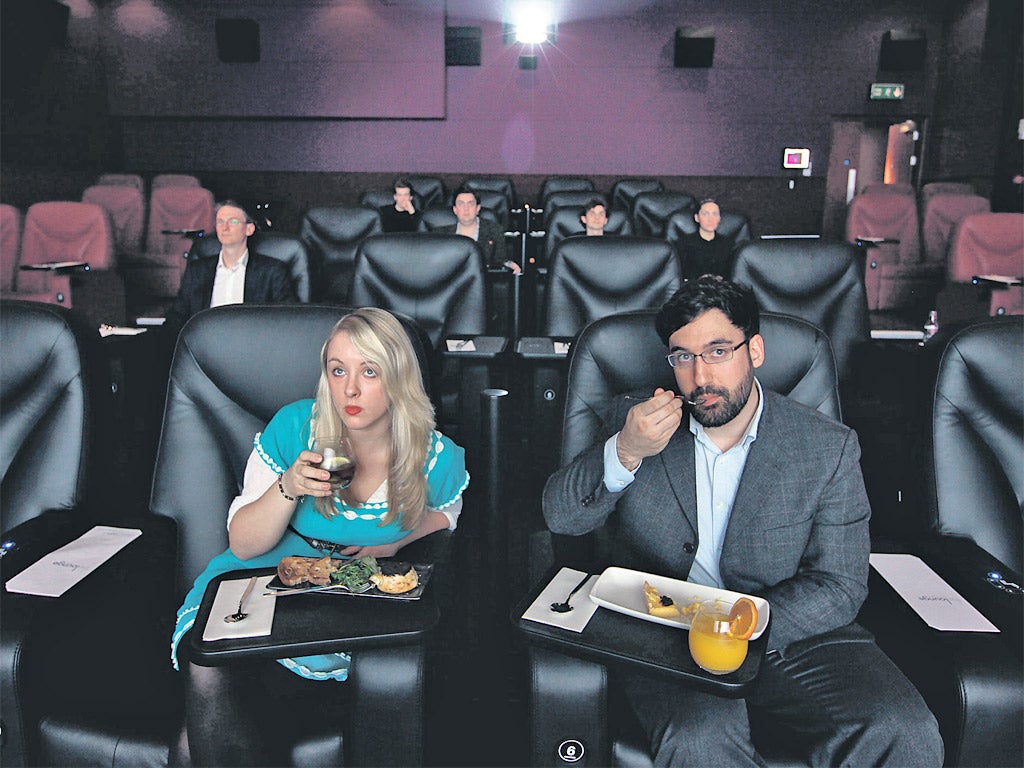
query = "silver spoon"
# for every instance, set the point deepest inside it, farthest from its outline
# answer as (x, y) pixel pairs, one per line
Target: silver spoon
(231, 618)
(643, 399)
(565, 607)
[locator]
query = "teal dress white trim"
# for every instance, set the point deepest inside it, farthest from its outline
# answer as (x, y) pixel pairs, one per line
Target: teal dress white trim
(287, 435)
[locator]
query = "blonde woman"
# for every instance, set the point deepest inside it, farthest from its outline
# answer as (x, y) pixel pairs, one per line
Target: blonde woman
(408, 482)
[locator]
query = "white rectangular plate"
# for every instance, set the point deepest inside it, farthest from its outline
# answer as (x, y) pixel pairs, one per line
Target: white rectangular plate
(622, 590)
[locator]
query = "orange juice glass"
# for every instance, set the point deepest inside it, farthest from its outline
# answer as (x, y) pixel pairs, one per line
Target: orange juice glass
(712, 646)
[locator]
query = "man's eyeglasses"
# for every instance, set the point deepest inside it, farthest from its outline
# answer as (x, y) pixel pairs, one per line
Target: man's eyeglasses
(232, 222)
(712, 356)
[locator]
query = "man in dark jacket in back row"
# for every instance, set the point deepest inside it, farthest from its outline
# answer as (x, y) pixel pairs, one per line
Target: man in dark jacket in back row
(234, 276)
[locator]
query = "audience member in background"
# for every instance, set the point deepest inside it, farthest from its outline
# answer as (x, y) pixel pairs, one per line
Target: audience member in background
(402, 216)
(234, 276)
(706, 252)
(748, 491)
(595, 216)
(488, 234)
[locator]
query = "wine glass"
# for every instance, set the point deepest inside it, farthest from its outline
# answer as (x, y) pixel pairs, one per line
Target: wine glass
(338, 459)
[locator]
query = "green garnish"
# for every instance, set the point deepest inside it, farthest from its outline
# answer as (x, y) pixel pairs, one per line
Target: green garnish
(355, 573)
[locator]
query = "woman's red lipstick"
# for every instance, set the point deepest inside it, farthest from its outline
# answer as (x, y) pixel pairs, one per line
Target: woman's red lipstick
(353, 410)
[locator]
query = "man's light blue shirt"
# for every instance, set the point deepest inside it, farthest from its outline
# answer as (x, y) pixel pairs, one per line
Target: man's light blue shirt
(718, 476)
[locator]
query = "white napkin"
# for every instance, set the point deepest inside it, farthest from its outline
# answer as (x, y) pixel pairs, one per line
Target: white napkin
(555, 592)
(932, 599)
(460, 345)
(150, 320)
(260, 608)
(55, 574)
(562, 348)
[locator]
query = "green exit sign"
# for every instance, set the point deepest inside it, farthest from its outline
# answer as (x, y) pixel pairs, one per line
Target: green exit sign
(889, 91)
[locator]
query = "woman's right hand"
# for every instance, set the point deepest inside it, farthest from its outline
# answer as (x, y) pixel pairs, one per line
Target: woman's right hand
(305, 478)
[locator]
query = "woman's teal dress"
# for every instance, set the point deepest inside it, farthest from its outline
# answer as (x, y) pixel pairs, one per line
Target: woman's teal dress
(279, 445)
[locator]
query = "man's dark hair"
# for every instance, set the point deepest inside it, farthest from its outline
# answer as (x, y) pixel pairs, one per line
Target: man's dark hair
(465, 190)
(248, 219)
(402, 183)
(593, 203)
(695, 297)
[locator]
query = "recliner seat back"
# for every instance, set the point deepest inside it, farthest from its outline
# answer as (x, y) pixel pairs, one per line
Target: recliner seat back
(44, 413)
(436, 279)
(651, 210)
(10, 246)
(816, 280)
(591, 277)
(553, 184)
(977, 474)
(624, 191)
(126, 207)
(331, 235)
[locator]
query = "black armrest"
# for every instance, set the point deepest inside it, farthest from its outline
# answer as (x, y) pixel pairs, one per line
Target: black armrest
(385, 683)
(972, 681)
(568, 710)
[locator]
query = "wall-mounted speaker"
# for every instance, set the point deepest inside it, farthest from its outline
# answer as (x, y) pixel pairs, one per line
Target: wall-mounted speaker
(528, 62)
(462, 46)
(902, 50)
(238, 40)
(694, 47)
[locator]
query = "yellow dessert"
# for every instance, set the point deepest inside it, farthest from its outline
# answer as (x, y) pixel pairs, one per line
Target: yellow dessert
(660, 605)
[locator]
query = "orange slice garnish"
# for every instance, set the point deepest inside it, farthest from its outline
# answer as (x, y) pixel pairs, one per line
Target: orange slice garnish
(742, 619)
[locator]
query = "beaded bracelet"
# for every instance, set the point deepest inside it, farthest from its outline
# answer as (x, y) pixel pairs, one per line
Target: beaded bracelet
(280, 487)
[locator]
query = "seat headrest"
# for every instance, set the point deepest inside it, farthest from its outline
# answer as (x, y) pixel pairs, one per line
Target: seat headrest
(977, 474)
(43, 427)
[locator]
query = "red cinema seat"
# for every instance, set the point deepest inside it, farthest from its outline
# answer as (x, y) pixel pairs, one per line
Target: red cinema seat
(126, 207)
(990, 244)
(154, 276)
(896, 277)
(66, 231)
(10, 245)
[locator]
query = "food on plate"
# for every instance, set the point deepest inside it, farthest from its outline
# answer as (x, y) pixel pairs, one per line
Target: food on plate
(324, 571)
(742, 619)
(354, 575)
(293, 571)
(398, 583)
(664, 606)
(659, 604)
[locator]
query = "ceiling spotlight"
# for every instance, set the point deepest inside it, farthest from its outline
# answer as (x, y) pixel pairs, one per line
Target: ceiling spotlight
(531, 24)
(532, 32)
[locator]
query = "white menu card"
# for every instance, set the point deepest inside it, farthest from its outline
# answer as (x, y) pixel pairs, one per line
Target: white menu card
(929, 595)
(59, 571)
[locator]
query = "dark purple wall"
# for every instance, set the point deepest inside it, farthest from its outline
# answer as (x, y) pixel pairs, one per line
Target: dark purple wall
(343, 58)
(604, 99)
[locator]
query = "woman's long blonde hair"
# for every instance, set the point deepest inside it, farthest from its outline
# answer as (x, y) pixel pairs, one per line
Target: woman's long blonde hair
(384, 344)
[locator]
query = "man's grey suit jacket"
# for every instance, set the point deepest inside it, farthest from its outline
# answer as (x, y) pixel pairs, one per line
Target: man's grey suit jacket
(798, 534)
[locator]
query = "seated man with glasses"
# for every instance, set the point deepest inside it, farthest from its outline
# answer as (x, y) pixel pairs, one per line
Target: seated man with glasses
(234, 276)
(748, 491)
